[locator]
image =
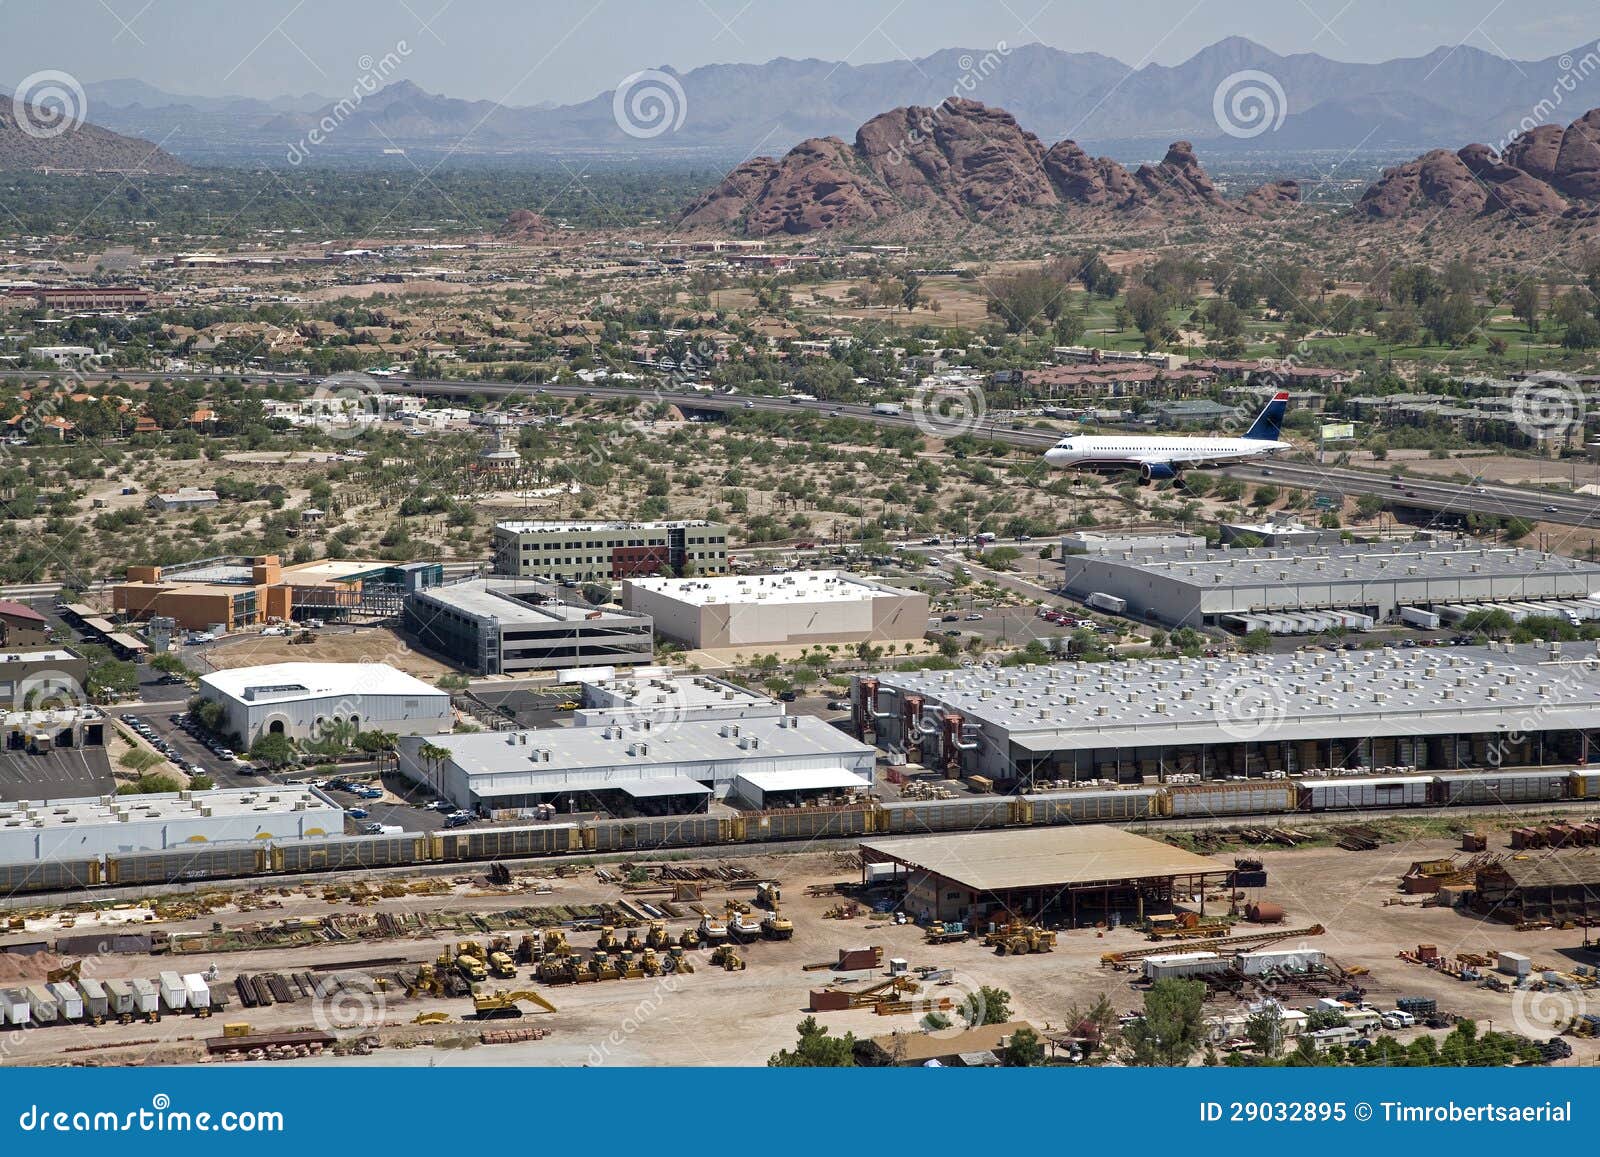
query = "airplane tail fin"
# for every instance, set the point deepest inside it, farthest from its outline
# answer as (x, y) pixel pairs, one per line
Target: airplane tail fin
(1269, 426)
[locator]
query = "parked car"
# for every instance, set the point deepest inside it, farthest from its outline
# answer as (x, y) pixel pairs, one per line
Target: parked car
(356, 813)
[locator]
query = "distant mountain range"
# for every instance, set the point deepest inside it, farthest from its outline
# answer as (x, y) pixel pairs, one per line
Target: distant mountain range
(1310, 103)
(32, 139)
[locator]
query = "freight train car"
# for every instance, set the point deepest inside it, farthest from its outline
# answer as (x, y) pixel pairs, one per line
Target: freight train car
(1356, 792)
(338, 853)
(1502, 787)
(201, 862)
(48, 876)
(1583, 784)
(945, 815)
(1089, 807)
(1230, 798)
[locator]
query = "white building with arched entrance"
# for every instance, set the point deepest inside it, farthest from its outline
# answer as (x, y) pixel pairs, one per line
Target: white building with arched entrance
(308, 700)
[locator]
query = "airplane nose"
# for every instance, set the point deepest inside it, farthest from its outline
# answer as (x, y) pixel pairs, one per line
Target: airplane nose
(1055, 456)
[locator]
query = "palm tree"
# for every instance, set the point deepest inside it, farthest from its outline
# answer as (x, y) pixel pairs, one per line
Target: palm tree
(434, 756)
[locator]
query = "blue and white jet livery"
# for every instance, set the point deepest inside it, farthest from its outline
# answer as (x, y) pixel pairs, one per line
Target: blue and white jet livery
(1160, 459)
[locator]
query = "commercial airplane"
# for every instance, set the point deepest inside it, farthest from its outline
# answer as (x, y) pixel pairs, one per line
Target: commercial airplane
(1158, 459)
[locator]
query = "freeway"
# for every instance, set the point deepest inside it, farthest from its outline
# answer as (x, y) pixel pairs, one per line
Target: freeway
(1421, 494)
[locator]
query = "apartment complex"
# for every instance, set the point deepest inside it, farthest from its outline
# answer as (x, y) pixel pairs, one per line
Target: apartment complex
(589, 551)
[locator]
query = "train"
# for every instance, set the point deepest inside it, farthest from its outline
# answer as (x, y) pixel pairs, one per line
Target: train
(1087, 805)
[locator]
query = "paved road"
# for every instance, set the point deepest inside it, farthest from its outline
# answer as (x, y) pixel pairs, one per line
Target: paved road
(1504, 501)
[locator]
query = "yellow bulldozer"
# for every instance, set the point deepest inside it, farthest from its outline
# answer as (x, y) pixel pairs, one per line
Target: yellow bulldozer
(608, 941)
(728, 958)
(500, 1004)
(657, 936)
(1019, 939)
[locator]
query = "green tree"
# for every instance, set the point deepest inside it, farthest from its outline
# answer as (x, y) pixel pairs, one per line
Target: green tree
(816, 1049)
(273, 750)
(986, 1006)
(1024, 1050)
(1264, 1028)
(1170, 1031)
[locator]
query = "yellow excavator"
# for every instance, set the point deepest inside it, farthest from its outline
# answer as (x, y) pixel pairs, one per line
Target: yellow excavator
(503, 1005)
(776, 926)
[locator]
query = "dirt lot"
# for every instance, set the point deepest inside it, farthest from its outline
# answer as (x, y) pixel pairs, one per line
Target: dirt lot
(714, 1017)
(330, 645)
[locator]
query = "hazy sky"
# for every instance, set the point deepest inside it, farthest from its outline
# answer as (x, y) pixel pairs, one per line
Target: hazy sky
(526, 52)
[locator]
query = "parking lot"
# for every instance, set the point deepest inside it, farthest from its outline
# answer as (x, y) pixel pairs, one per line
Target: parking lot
(60, 774)
(173, 741)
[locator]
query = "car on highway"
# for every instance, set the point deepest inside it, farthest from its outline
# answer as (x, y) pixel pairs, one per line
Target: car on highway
(973, 617)
(1550, 510)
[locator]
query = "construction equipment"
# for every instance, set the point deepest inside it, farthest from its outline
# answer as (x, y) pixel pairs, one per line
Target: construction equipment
(712, 930)
(66, 974)
(431, 1018)
(556, 968)
(502, 966)
(742, 926)
(608, 941)
(725, 956)
(657, 936)
(676, 960)
(469, 963)
(842, 912)
(776, 926)
(1019, 939)
(767, 896)
(555, 943)
(946, 932)
(689, 939)
(503, 1005)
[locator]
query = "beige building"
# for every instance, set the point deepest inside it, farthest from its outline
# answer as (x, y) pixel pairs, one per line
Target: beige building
(589, 551)
(801, 609)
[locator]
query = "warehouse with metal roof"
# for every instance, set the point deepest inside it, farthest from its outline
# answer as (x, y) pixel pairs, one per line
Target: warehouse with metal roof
(1074, 875)
(1194, 587)
(1429, 709)
(667, 769)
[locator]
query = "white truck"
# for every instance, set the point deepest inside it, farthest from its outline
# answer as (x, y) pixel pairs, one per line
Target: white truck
(146, 997)
(887, 408)
(1101, 601)
(1419, 618)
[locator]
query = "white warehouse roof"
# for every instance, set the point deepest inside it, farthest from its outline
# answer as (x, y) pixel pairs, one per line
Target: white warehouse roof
(814, 586)
(277, 682)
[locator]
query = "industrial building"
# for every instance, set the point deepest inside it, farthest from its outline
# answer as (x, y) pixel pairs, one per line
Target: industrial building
(1073, 876)
(75, 829)
(491, 626)
(232, 592)
(22, 627)
(44, 677)
(671, 769)
(1129, 722)
(1557, 886)
(1308, 588)
(806, 608)
(303, 700)
(589, 551)
(657, 696)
